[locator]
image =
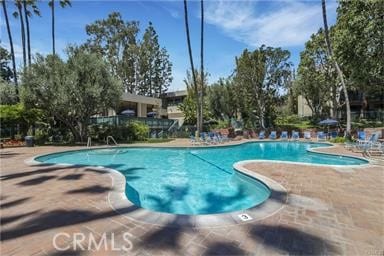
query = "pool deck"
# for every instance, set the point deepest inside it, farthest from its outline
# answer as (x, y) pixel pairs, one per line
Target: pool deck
(327, 210)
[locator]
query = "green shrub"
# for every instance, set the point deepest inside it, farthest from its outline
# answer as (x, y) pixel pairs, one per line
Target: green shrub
(138, 131)
(41, 136)
(338, 140)
(135, 131)
(222, 124)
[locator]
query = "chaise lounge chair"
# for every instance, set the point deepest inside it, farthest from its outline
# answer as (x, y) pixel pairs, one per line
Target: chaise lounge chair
(262, 135)
(295, 136)
(284, 135)
(272, 136)
(321, 136)
(363, 145)
(361, 135)
(307, 135)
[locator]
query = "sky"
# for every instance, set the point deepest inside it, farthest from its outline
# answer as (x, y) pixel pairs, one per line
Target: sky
(230, 27)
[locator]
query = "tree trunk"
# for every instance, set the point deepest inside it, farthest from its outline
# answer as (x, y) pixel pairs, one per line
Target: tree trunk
(334, 102)
(198, 124)
(53, 26)
(202, 89)
(28, 34)
(11, 46)
(22, 33)
(339, 72)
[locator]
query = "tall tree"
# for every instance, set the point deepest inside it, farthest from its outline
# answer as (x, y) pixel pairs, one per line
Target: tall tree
(11, 44)
(259, 75)
(19, 14)
(162, 72)
(338, 70)
(189, 106)
(79, 88)
(317, 79)
(51, 3)
(221, 99)
(5, 71)
(202, 90)
(199, 124)
(359, 46)
(155, 67)
(142, 65)
(27, 15)
(149, 50)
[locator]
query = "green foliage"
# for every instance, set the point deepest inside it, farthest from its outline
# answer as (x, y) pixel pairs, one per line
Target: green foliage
(41, 136)
(221, 100)
(135, 131)
(5, 71)
(363, 123)
(359, 44)
(142, 66)
(138, 131)
(222, 124)
(338, 140)
(189, 105)
(259, 76)
(292, 122)
(8, 94)
(155, 69)
(12, 116)
(71, 91)
(316, 76)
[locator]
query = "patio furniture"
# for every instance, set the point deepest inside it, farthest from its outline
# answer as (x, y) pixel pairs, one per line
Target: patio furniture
(362, 145)
(262, 135)
(284, 135)
(333, 134)
(321, 136)
(272, 135)
(295, 135)
(374, 149)
(361, 135)
(307, 135)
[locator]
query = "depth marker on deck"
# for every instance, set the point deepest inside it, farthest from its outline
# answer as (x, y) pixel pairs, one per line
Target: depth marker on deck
(244, 217)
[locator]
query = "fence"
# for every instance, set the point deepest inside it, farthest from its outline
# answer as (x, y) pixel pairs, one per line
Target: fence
(153, 123)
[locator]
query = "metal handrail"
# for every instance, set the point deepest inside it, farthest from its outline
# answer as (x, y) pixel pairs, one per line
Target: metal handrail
(113, 140)
(175, 122)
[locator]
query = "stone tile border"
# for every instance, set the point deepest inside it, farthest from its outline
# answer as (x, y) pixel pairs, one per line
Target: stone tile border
(118, 200)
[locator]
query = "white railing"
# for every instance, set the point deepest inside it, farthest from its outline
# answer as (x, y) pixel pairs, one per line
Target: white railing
(175, 122)
(112, 139)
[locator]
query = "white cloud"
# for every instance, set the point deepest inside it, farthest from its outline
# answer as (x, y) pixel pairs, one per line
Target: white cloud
(285, 23)
(174, 13)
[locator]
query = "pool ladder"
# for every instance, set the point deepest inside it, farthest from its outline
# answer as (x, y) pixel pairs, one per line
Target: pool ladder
(112, 139)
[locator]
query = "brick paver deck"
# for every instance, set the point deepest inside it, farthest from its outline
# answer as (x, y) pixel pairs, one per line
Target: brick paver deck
(329, 211)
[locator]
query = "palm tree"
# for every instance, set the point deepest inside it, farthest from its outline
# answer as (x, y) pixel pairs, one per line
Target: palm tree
(11, 45)
(198, 123)
(27, 14)
(202, 62)
(339, 72)
(63, 3)
(19, 14)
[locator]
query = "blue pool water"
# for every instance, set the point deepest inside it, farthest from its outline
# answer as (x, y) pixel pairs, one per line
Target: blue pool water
(195, 180)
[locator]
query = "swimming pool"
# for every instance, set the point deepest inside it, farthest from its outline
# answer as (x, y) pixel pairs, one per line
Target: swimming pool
(195, 180)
